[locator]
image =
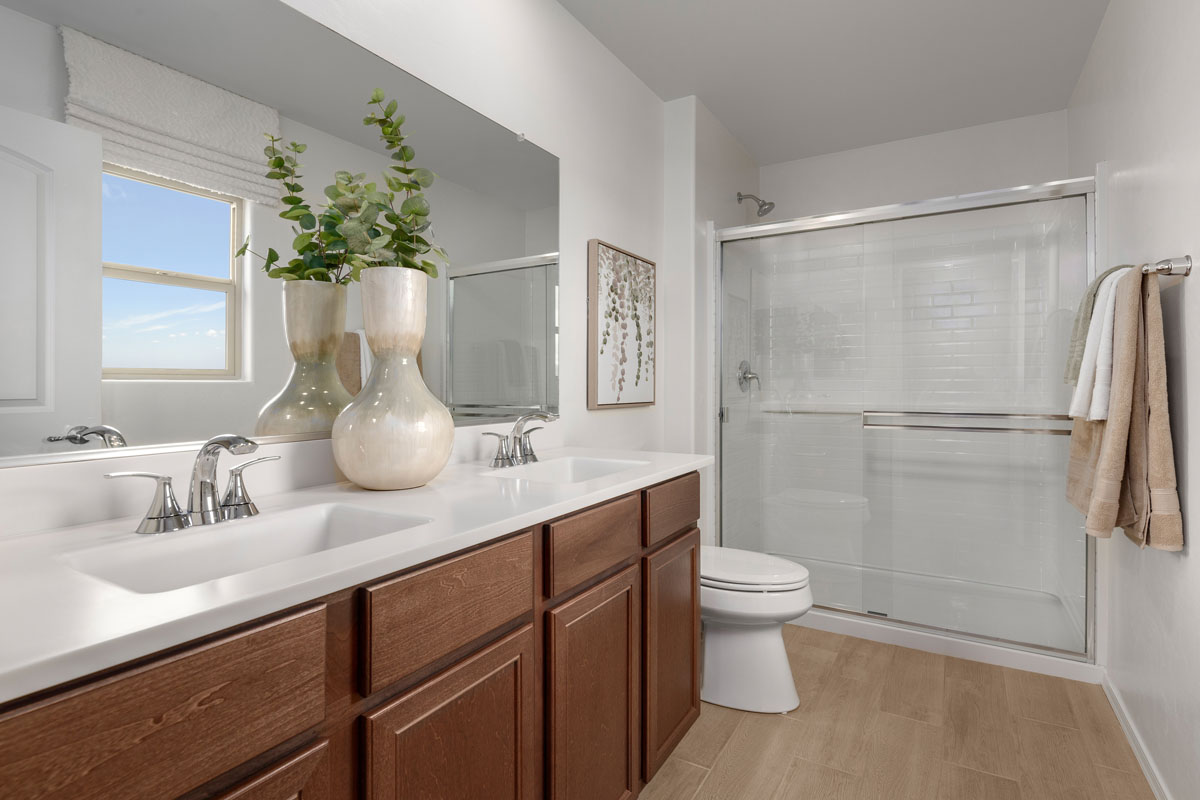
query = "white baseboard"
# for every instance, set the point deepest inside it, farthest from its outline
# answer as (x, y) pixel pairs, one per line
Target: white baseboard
(1149, 768)
(865, 628)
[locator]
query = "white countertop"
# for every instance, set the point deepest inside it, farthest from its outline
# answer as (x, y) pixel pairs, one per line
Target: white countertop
(57, 624)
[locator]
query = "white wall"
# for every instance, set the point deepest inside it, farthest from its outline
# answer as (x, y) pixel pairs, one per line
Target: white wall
(994, 156)
(532, 67)
(1135, 107)
(704, 169)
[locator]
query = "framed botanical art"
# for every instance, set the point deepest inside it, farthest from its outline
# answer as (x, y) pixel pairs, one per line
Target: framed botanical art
(620, 337)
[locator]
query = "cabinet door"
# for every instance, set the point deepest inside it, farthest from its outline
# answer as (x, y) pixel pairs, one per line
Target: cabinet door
(671, 690)
(593, 649)
(470, 732)
(303, 776)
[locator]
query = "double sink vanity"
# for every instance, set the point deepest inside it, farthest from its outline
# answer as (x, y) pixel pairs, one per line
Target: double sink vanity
(530, 631)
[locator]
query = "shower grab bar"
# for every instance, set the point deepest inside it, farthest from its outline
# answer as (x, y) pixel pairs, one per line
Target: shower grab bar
(908, 426)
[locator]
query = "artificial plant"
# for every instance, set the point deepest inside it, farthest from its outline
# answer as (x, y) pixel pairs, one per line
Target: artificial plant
(360, 225)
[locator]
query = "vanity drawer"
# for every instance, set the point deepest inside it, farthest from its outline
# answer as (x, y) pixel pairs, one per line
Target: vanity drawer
(671, 507)
(169, 726)
(583, 545)
(414, 620)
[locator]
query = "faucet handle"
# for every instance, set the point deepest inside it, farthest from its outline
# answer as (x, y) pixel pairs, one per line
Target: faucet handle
(504, 455)
(237, 503)
(527, 454)
(164, 513)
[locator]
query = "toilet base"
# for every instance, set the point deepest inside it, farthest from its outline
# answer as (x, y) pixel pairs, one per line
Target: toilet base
(746, 667)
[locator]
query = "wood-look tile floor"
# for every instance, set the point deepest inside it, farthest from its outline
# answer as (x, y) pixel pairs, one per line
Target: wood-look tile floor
(878, 721)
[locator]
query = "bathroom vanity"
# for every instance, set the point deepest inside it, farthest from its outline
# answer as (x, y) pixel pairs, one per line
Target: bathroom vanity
(555, 657)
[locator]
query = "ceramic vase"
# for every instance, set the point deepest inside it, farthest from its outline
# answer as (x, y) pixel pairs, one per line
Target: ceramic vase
(314, 322)
(395, 434)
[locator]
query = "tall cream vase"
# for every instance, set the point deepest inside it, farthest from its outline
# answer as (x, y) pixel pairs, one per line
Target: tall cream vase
(314, 322)
(395, 434)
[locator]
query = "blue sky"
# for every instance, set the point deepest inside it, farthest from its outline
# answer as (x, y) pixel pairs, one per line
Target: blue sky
(152, 326)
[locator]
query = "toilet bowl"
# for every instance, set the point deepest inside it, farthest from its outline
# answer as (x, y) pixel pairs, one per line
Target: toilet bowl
(745, 597)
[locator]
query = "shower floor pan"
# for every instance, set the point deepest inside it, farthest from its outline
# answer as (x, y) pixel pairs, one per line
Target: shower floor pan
(1018, 616)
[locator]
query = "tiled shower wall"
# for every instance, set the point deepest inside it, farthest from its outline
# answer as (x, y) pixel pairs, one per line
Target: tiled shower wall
(967, 312)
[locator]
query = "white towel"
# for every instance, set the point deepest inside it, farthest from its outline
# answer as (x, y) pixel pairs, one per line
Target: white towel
(1081, 400)
(1104, 359)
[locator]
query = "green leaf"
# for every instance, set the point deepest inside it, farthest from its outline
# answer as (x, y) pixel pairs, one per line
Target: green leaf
(294, 212)
(423, 176)
(317, 273)
(417, 204)
(302, 241)
(429, 268)
(242, 250)
(343, 176)
(299, 147)
(287, 276)
(308, 222)
(276, 162)
(293, 200)
(391, 108)
(394, 183)
(276, 175)
(377, 96)
(407, 153)
(333, 192)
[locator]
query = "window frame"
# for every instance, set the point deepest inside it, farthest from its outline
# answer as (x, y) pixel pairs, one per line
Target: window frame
(231, 286)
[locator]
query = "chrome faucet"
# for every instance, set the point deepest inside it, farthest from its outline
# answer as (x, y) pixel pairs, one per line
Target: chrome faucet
(204, 505)
(520, 448)
(81, 434)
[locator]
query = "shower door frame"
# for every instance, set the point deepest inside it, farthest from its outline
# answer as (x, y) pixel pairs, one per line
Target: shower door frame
(1020, 195)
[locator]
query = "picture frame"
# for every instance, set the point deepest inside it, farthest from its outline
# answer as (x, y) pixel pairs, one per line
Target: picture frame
(621, 339)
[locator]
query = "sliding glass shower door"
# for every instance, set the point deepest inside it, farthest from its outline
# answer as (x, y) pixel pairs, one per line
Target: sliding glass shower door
(894, 398)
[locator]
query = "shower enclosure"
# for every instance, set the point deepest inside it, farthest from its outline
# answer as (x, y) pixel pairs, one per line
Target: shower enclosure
(893, 410)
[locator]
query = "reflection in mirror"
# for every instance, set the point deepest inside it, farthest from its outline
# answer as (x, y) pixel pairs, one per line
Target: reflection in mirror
(128, 317)
(503, 338)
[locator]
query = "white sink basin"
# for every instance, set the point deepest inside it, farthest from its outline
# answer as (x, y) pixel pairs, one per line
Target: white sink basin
(205, 553)
(568, 469)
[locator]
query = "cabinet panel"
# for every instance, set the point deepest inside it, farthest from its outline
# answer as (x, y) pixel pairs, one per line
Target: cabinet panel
(671, 679)
(469, 733)
(303, 776)
(583, 545)
(413, 620)
(671, 507)
(162, 729)
(594, 667)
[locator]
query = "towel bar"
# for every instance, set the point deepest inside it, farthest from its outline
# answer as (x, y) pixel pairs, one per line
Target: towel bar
(1170, 266)
(903, 426)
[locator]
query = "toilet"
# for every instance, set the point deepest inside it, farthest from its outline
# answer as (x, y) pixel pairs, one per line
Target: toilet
(745, 597)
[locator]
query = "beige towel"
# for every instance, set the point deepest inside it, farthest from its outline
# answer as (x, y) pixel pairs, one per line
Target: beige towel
(1122, 470)
(1151, 456)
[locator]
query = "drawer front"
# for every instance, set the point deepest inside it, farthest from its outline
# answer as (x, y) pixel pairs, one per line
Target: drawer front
(302, 776)
(162, 729)
(583, 545)
(671, 507)
(414, 620)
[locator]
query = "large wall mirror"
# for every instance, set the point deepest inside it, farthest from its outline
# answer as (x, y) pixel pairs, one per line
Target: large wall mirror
(131, 171)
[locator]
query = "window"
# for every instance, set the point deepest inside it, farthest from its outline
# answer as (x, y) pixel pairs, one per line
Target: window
(171, 302)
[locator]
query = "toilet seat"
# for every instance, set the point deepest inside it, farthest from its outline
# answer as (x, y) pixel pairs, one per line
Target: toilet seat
(730, 586)
(748, 571)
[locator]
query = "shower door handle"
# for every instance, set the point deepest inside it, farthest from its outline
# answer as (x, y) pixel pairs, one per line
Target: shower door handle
(744, 376)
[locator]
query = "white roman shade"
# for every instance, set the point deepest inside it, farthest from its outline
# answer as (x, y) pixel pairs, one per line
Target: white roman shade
(157, 120)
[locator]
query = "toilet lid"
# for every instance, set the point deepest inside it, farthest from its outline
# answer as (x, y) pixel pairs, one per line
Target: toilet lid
(745, 570)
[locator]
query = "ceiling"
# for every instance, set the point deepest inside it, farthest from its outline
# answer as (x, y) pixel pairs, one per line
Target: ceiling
(798, 78)
(266, 51)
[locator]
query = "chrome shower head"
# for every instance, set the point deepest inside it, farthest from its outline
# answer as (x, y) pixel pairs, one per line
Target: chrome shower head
(764, 207)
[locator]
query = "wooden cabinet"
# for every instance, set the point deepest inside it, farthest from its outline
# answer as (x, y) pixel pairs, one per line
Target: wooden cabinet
(303, 776)
(470, 732)
(593, 644)
(671, 647)
(559, 662)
